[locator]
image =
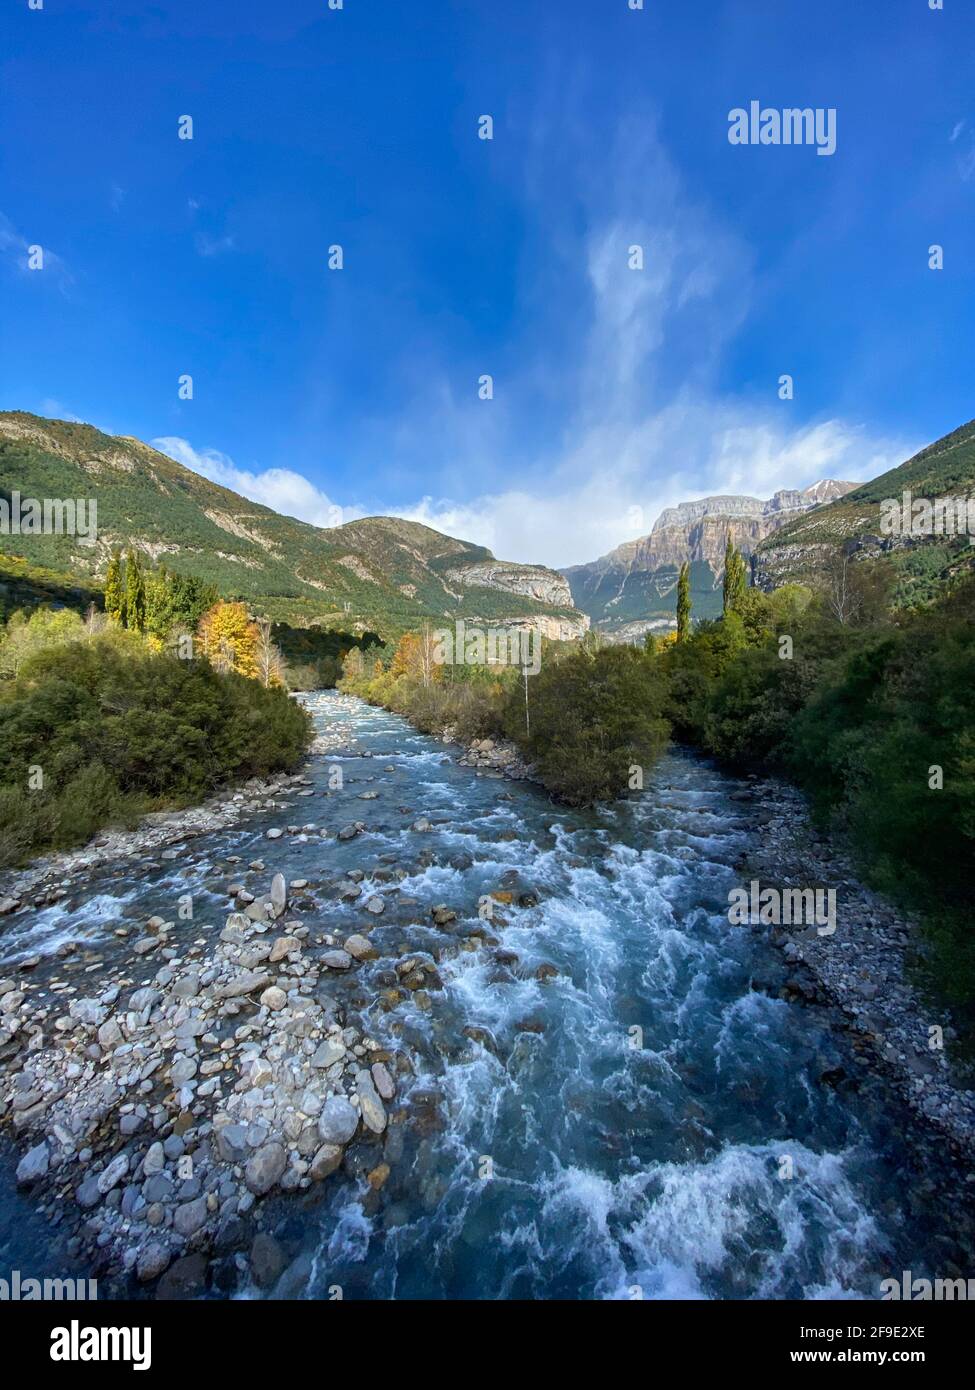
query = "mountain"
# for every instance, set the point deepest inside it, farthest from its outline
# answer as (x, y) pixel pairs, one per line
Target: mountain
(921, 565)
(381, 573)
(633, 588)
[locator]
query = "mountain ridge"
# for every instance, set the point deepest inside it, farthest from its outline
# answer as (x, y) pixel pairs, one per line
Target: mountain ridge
(382, 573)
(633, 586)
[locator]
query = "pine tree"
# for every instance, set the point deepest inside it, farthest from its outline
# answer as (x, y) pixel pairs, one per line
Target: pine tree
(684, 603)
(115, 589)
(135, 593)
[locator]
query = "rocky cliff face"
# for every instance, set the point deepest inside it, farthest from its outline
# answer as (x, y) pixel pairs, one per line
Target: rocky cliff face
(635, 583)
(531, 581)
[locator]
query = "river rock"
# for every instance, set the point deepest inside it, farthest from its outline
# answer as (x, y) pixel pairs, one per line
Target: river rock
(267, 1260)
(188, 1218)
(325, 1162)
(360, 948)
(337, 960)
(279, 895)
(34, 1164)
(372, 1109)
(265, 1168)
(114, 1173)
(244, 982)
(232, 1145)
(283, 947)
(383, 1081)
(330, 1052)
(182, 1070)
(274, 998)
(155, 1160)
(152, 1260)
(338, 1121)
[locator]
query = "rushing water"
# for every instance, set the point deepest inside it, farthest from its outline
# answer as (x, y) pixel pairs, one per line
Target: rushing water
(628, 1122)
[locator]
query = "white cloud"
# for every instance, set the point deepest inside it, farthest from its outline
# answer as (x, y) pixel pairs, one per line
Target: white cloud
(690, 450)
(281, 489)
(645, 427)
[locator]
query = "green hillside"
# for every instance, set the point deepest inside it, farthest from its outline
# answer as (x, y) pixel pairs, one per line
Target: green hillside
(922, 567)
(381, 572)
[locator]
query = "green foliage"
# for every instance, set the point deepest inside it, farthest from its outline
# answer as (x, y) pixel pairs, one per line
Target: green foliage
(594, 716)
(27, 586)
(314, 654)
(26, 634)
(861, 717)
(117, 729)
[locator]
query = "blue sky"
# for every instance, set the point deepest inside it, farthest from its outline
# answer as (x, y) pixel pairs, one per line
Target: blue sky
(617, 392)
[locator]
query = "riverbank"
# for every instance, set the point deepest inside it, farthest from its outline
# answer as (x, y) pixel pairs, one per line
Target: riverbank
(869, 968)
(51, 877)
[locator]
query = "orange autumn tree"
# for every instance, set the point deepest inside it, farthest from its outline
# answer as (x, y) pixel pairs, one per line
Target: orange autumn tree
(229, 638)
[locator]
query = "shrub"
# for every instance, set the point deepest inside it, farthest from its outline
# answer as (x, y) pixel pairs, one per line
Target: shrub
(116, 729)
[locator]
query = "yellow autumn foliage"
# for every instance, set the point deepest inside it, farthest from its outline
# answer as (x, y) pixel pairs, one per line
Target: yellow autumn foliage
(229, 638)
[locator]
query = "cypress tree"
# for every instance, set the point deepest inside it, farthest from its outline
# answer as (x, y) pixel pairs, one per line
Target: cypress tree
(735, 578)
(115, 589)
(684, 603)
(135, 593)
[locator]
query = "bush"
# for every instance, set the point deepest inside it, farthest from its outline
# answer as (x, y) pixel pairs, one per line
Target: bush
(116, 729)
(594, 716)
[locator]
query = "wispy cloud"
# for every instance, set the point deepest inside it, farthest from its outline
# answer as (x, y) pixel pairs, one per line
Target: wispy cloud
(56, 411)
(627, 362)
(213, 246)
(963, 136)
(15, 251)
(645, 424)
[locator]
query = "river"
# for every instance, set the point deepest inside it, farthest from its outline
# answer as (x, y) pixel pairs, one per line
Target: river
(650, 1120)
